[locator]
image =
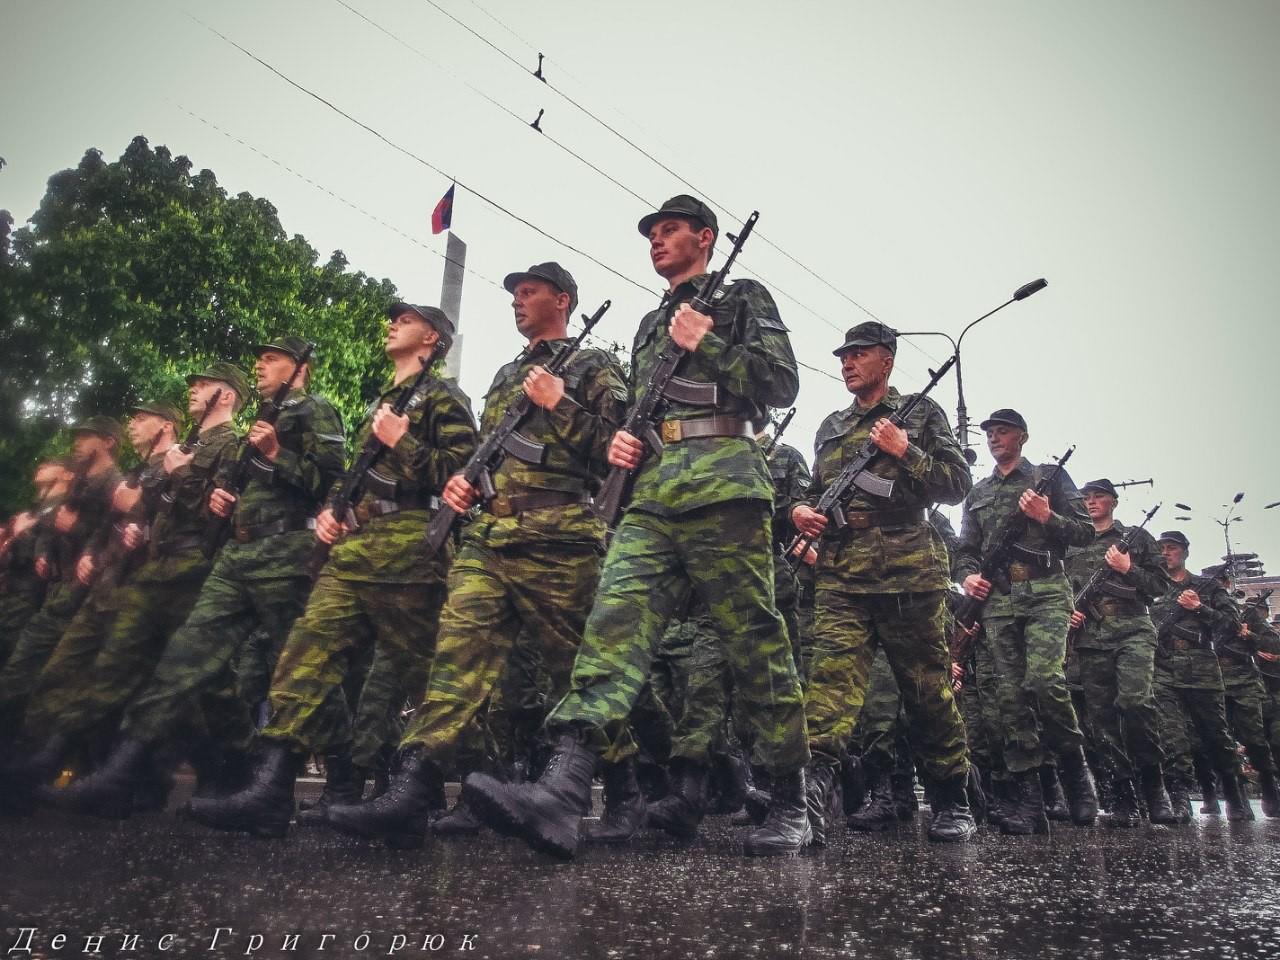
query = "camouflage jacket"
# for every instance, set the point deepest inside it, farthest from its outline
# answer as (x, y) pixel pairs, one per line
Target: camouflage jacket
(1195, 666)
(900, 557)
(1237, 653)
(439, 442)
(791, 478)
(18, 567)
(995, 498)
(90, 498)
(747, 357)
(294, 486)
(574, 439)
(1145, 582)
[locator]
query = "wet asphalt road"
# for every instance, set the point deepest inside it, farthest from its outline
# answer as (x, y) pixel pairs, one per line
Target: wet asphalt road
(1210, 890)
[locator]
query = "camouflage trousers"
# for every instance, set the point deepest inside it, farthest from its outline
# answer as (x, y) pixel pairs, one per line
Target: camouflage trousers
(1271, 714)
(34, 646)
(191, 696)
(879, 735)
(981, 709)
(1027, 636)
(1119, 698)
(700, 715)
(1188, 702)
(722, 553)
(1244, 704)
(16, 611)
(539, 589)
(849, 628)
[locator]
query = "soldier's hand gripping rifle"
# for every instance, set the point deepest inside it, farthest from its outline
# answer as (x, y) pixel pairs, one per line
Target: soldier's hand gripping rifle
(644, 417)
(777, 434)
(1246, 610)
(1086, 600)
(992, 567)
(359, 478)
(503, 439)
(855, 473)
(250, 463)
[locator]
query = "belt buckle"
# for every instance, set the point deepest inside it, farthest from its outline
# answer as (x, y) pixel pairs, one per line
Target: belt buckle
(500, 506)
(1019, 572)
(672, 431)
(858, 520)
(242, 535)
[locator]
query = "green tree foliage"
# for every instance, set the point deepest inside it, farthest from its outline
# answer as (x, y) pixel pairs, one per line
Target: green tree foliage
(134, 273)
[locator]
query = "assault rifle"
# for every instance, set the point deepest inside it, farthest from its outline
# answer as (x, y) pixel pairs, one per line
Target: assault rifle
(503, 439)
(359, 478)
(856, 474)
(777, 434)
(643, 420)
(992, 566)
(249, 462)
(1245, 610)
(1086, 599)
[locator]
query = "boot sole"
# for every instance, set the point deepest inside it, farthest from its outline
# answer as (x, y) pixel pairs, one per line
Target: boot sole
(494, 814)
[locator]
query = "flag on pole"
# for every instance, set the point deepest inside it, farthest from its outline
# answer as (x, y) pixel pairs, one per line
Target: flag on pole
(442, 215)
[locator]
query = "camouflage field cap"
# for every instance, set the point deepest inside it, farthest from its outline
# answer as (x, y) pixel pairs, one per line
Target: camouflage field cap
(552, 273)
(227, 373)
(292, 346)
(872, 333)
(102, 426)
(434, 316)
(686, 207)
(1101, 486)
(161, 408)
(1174, 536)
(1006, 416)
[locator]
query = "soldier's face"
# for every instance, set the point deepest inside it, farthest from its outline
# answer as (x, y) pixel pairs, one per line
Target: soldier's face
(407, 333)
(1100, 505)
(272, 369)
(1175, 556)
(199, 394)
(1005, 442)
(143, 430)
(539, 308)
(676, 248)
(89, 446)
(865, 369)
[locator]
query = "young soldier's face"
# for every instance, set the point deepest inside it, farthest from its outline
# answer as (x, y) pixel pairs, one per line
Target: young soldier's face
(88, 446)
(200, 393)
(675, 247)
(1100, 505)
(407, 333)
(143, 430)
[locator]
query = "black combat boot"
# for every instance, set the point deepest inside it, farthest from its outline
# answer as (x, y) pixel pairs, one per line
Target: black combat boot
(680, 812)
(952, 819)
(1159, 806)
(399, 815)
(460, 821)
(1082, 793)
(905, 802)
(1055, 800)
(1270, 793)
(853, 777)
(343, 784)
(20, 777)
(1180, 799)
(978, 786)
(1239, 810)
(1210, 806)
(731, 776)
(1123, 812)
(624, 806)
(109, 791)
(785, 831)
(265, 806)
(1002, 800)
(820, 782)
(1027, 816)
(547, 814)
(755, 805)
(878, 813)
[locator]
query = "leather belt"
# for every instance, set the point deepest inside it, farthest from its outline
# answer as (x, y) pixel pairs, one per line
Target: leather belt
(510, 505)
(673, 431)
(165, 548)
(369, 508)
(862, 519)
(1115, 607)
(1020, 572)
(261, 531)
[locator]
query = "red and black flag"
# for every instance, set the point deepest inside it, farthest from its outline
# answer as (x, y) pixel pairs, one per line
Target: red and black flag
(442, 215)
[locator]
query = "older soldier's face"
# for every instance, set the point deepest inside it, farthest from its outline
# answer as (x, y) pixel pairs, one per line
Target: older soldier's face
(865, 369)
(675, 247)
(272, 369)
(539, 308)
(1175, 557)
(1005, 442)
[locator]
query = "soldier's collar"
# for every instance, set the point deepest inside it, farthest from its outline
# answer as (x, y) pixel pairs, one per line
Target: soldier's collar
(1025, 467)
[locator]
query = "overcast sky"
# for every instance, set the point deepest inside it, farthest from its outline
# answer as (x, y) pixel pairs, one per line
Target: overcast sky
(923, 159)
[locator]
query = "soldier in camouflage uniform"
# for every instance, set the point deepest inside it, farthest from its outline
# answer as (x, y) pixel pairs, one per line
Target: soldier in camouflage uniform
(257, 581)
(1115, 642)
(1188, 679)
(1267, 642)
(1026, 628)
(1244, 697)
(882, 579)
(698, 520)
(59, 548)
(528, 566)
(379, 587)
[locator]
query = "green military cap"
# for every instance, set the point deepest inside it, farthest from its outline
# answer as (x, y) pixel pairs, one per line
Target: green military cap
(872, 333)
(161, 408)
(228, 373)
(293, 346)
(103, 426)
(685, 207)
(435, 318)
(1102, 486)
(552, 273)
(1006, 416)
(1174, 536)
